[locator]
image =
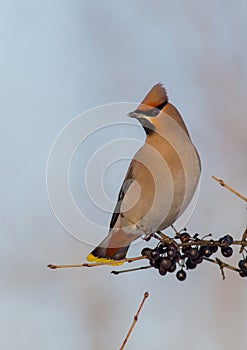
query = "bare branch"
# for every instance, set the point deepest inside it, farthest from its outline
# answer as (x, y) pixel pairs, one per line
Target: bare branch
(166, 240)
(222, 265)
(130, 270)
(109, 263)
(229, 188)
(134, 321)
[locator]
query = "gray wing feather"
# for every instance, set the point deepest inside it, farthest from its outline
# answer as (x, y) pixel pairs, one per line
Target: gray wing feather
(126, 184)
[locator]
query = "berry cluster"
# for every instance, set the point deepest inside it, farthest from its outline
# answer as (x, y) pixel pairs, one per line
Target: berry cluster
(186, 252)
(243, 267)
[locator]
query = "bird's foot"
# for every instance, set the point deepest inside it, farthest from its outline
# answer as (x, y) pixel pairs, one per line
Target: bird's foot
(147, 236)
(163, 237)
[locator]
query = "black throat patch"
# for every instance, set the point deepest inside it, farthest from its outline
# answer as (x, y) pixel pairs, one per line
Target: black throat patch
(147, 125)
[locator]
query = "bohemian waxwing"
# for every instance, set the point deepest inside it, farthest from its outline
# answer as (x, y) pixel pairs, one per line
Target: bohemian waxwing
(160, 181)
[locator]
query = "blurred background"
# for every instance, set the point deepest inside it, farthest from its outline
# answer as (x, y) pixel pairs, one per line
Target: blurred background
(60, 58)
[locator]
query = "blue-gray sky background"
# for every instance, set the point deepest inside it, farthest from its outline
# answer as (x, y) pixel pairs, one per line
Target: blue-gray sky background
(60, 58)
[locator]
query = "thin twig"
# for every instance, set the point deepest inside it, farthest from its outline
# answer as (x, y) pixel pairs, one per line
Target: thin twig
(130, 270)
(222, 265)
(109, 263)
(196, 242)
(229, 188)
(175, 230)
(206, 242)
(244, 239)
(134, 321)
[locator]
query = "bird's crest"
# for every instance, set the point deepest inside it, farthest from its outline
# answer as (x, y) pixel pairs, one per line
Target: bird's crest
(157, 97)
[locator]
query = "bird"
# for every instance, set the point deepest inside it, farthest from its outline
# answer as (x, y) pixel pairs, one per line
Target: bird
(160, 181)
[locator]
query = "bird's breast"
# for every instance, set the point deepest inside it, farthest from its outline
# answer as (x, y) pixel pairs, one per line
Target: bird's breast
(165, 176)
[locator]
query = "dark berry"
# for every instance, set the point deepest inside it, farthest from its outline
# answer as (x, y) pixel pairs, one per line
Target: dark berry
(172, 268)
(171, 251)
(185, 250)
(181, 275)
(193, 253)
(184, 237)
(227, 252)
(242, 273)
(160, 248)
(214, 248)
(155, 254)
(198, 260)
(243, 265)
(230, 239)
(225, 241)
(155, 263)
(206, 251)
(165, 263)
(190, 264)
(146, 252)
(162, 271)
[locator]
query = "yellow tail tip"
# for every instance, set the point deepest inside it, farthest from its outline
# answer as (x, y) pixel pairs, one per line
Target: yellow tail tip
(112, 262)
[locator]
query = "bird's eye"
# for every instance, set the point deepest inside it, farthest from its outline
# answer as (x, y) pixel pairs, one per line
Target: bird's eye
(155, 112)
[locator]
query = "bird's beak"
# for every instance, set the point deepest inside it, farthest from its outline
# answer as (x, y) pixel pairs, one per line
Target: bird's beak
(133, 115)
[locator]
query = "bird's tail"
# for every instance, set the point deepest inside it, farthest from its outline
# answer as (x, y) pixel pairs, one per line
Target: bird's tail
(113, 248)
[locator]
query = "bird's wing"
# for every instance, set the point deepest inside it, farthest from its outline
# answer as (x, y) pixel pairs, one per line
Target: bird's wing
(126, 184)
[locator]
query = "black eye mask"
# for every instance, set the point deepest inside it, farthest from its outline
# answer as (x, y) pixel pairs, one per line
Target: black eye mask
(152, 112)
